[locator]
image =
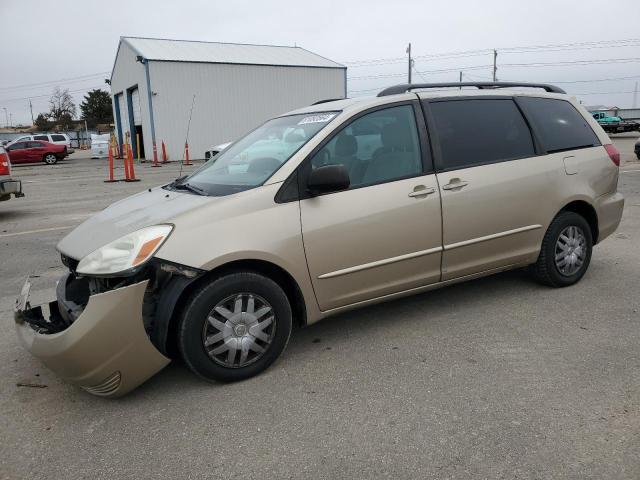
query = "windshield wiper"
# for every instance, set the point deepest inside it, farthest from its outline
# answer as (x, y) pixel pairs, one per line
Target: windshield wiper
(191, 188)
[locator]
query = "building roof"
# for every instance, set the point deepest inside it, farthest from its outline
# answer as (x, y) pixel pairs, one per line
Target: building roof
(161, 49)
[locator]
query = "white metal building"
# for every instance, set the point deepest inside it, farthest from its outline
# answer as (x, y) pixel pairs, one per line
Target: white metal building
(236, 87)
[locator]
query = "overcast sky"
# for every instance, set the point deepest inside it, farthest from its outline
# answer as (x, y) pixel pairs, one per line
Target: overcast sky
(49, 43)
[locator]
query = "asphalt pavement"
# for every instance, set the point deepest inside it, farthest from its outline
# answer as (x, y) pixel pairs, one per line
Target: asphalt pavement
(497, 378)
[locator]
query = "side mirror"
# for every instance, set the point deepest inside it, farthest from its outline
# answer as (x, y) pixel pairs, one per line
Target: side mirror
(328, 178)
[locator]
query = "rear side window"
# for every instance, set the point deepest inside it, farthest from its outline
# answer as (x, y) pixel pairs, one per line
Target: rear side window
(35, 145)
(559, 125)
(58, 138)
(41, 137)
(477, 132)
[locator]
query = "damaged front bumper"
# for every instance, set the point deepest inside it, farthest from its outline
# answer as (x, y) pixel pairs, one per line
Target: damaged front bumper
(8, 187)
(105, 349)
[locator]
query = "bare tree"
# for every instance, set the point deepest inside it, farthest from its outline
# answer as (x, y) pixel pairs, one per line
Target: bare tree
(61, 105)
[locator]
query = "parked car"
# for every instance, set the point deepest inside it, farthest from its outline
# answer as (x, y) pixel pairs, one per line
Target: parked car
(216, 267)
(35, 152)
(8, 186)
(213, 151)
(55, 138)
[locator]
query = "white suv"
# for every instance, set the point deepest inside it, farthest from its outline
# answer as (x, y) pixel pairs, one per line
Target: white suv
(57, 138)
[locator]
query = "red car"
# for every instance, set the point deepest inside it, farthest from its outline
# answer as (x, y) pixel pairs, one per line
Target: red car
(34, 151)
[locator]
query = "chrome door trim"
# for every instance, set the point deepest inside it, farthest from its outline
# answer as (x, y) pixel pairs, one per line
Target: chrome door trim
(378, 263)
(491, 237)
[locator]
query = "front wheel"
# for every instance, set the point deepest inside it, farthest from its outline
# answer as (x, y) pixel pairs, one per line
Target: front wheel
(235, 327)
(50, 159)
(566, 251)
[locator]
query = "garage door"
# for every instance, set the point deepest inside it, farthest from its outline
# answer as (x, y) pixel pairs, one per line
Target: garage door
(135, 105)
(124, 115)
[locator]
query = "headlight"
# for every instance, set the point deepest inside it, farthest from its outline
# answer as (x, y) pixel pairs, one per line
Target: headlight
(127, 252)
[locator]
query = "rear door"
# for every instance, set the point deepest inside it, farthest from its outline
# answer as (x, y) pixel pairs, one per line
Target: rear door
(383, 235)
(492, 184)
(35, 151)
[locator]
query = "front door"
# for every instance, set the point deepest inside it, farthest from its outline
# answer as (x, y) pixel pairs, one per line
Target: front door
(17, 152)
(492, 185)
(383, 235)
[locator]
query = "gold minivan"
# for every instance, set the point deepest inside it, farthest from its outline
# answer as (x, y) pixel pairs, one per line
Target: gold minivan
(327, 208)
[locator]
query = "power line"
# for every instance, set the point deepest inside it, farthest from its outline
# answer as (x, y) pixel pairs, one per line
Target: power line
(443, 70)
(631, 42)
(601, 61)
(503, 65)
(7, 100)
(62, 80)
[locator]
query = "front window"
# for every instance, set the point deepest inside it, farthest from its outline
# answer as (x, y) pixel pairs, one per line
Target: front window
(253, 159)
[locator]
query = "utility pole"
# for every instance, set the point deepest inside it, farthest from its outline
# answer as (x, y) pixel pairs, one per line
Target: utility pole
(461, 80)
(410, 65)
(635, 96)
(495, 65)
(6, 117)
(31, 108)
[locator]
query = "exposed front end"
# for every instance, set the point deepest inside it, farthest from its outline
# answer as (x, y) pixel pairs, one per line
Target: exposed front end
(96, 341)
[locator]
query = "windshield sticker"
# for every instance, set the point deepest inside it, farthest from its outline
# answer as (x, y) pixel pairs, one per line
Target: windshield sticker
(322, 118)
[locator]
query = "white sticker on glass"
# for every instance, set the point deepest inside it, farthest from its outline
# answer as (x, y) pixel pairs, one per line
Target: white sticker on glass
(321, 118)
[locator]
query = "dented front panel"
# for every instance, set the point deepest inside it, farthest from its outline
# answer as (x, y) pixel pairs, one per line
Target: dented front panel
(106, 350)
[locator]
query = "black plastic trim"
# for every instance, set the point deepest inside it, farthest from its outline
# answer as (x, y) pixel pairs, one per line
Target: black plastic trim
(165, 309)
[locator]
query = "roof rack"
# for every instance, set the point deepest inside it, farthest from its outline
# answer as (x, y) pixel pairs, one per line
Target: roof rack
(407, 87)
(327, 100)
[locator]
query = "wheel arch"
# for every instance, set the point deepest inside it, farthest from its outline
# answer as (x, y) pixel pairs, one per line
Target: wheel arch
(167, 336)
(588, 212)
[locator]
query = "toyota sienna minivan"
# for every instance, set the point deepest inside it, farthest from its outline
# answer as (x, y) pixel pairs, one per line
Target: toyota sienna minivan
(324, 209)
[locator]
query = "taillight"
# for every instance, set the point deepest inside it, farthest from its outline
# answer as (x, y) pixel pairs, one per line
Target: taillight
(613, 153)
(5, 165)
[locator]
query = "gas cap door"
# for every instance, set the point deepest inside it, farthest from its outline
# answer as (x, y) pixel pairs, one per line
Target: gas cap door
(570, 165)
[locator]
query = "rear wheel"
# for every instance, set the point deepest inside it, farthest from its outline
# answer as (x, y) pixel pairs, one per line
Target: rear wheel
(566, 251)
(235, 327)
(50, 159)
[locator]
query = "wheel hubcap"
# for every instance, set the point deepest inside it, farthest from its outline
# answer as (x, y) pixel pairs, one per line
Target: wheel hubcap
(239, 330)
(571, 250)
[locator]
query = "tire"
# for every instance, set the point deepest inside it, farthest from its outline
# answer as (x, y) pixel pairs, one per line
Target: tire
(638, 155)
(556, 273)
(211, 316)
(50, 159)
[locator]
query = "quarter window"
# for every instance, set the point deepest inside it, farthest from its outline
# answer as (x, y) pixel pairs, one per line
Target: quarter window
(559, 125)
(58, 138)
(476, 132)
(378, 147)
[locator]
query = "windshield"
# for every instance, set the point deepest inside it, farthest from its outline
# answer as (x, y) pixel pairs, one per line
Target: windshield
(250, 161)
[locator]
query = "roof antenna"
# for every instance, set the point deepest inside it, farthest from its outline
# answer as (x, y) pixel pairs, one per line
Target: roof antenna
(186, 140)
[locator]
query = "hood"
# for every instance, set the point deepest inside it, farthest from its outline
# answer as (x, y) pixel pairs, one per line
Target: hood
(145, 209)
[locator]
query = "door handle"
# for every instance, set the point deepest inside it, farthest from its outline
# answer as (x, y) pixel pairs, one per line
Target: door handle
(454, 184)
(421, 191)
